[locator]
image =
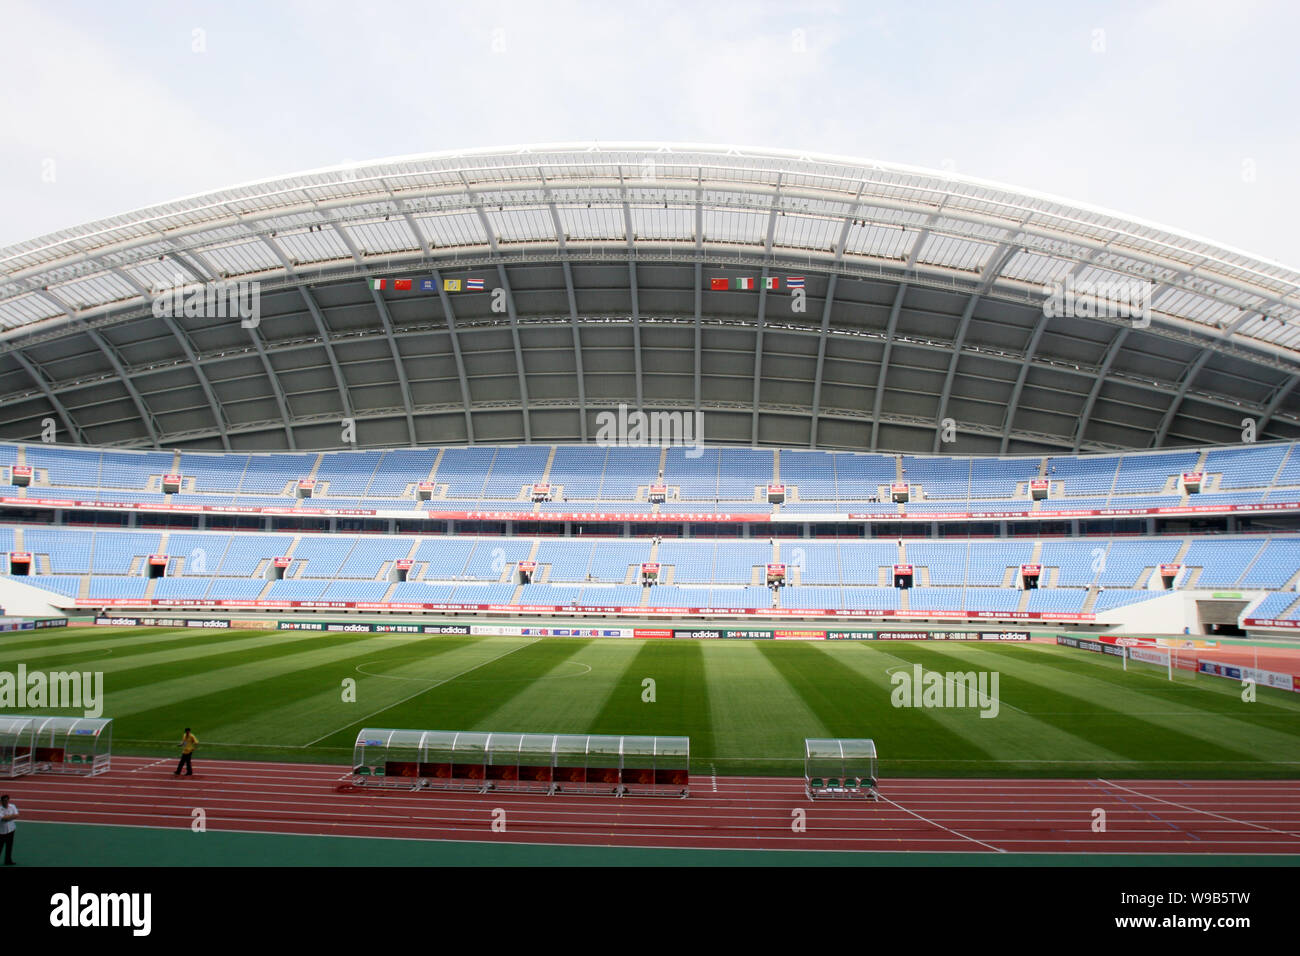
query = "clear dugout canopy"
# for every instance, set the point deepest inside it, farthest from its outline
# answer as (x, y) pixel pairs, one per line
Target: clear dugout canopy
(16, 746)
(840, 767)
(73, 745)
(550, 763)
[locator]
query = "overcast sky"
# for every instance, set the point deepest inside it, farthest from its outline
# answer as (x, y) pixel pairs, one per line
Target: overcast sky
(1179, 112)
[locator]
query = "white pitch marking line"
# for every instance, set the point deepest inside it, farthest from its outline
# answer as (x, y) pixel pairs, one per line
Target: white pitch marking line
(950, 682)
(423, 690)
(940, 825)
(1208, 813)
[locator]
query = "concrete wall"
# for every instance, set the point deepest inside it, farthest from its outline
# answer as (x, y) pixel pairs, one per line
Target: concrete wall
(23, 600)
(1167, 614)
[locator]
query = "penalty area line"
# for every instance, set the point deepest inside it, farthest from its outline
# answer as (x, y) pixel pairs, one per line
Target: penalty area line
(949, 681)
(423, 690)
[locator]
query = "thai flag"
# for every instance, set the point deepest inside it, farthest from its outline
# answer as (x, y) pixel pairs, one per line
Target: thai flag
(474, 285)
(794, 282)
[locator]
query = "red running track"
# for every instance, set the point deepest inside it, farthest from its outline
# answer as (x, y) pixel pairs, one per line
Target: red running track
(983, 816)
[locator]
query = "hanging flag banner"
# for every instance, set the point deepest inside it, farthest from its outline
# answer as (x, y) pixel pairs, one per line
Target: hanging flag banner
(749, 283)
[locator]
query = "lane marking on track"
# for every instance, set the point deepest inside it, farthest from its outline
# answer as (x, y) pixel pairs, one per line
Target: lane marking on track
(300, 805)
(150, 766)
(1210, 813)
(714, 770)
(940, 825)
(334, 833)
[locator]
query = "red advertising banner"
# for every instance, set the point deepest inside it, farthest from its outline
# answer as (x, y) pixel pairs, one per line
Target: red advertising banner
(306, 484)
(404, 564)
(1038, 484)
(22, 557)
(702, 516)
(709, 517)
(282, 562)
(158, 559)
(666, 612)
(22, 471)
(1030, 570)
(1270, 622)
(902, 569)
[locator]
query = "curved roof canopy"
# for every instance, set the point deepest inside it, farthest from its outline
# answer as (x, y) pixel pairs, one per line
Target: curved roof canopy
(924, 303)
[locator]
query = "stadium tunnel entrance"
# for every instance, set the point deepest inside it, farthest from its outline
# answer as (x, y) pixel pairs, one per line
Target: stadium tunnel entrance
(1221, 616)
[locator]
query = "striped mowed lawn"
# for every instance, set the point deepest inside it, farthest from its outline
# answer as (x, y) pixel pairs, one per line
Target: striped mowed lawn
(746, 705)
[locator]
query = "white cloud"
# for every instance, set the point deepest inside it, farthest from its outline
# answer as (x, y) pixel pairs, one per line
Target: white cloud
(1156, 126)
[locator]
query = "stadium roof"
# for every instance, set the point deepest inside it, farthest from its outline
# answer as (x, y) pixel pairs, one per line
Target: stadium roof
(924, 302)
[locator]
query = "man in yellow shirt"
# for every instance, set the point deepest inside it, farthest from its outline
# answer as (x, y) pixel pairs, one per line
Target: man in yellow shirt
(188, 743)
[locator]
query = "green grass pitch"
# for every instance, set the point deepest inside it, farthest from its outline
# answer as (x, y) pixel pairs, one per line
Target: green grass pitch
(746, 705)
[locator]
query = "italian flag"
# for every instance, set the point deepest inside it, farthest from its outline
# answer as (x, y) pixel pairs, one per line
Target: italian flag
(772, 283)
(743, 283)
(378, 284)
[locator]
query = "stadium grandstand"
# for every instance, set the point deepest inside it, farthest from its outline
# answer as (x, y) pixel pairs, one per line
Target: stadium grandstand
(415, 386)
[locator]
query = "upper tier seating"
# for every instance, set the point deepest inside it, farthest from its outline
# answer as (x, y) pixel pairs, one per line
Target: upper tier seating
(725, 479)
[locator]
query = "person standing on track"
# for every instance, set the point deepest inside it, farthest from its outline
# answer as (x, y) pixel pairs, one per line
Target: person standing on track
(8, 812)
(188, 743)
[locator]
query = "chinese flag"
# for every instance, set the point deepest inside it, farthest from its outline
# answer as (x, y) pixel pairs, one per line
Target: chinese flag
(402, 284)
(719, 285)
